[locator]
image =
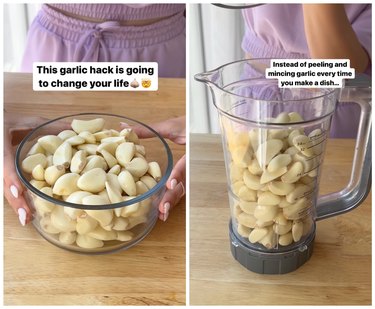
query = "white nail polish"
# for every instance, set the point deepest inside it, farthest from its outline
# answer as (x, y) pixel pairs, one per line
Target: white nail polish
(173, 183)
(14, 191)
(22, 216)
(165, 216)
(166, 207)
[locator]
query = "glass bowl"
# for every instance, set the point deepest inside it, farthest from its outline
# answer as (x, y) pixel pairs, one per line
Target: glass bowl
(81, 228)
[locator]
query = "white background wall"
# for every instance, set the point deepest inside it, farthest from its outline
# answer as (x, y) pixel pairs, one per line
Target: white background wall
(215, 39)
(17, 19)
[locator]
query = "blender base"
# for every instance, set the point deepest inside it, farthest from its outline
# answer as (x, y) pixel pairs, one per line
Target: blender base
(270, 263)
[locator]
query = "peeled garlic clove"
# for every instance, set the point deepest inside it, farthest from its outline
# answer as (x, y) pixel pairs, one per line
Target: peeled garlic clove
(120, 224)
(295, 117)
(281, 229)
(52, 173)
(299, 192)
(50, 142)
(30, 162)
(267, 150)
(124, 235)
(140, 187)
(64, 135)
(148, 181)
(88, 137)
(113, 194)
(76, 140)
(61, 221)
(280, 219)
(134, 221)
(94, 161)
(279, 162)
(246, 220)
(87, 242)
(110, 147)
(127, 183)
(67, 238)
(297, 230)
(296, 210)
(280, 188)
(125, 153)
(291, 136)
(130, 209)
(102, 234)
(130, 135)
(63, 155)
(251, 181)
(248, 207)
(303, 144)
(92, 126)
(38, 172)
(143, 209)
(99, 136)
(43, 206)
(268, 176)
(244, 231)
(265, 213)
(111, 160)
(247, 194)
(241, 156)
(254, 168)
(117, 211)
(89, 148)
(92, 181)
(36, 148)
(85, 224)
(286, 239)
(270, 240)
(78, 162)
(294, 173)
(104, 217)
(115, 170)
(66, 184)
(154, 170)
(268, 199)
(137, 167)
(46, 225)
(38, 184)
(257, 234)
(113, 139)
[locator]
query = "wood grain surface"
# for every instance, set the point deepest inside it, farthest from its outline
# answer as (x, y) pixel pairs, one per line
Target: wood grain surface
(151, 273)
(338, 273)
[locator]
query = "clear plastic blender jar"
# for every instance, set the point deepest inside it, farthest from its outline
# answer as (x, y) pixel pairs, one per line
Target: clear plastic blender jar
(274, 141)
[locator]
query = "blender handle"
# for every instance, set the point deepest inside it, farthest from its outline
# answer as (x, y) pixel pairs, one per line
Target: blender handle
(359, 91)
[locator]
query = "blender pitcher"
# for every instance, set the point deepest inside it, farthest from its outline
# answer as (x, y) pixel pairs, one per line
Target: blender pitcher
(274, 141)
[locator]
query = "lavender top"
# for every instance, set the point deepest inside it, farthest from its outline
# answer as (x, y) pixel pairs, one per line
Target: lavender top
(277, 30)
(121, 11)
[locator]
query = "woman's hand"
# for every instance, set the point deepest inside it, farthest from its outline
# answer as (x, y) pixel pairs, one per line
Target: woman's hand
(174, 130)
(15, 129)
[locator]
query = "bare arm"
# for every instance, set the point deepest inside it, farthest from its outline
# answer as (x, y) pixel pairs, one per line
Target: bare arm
(330, 35)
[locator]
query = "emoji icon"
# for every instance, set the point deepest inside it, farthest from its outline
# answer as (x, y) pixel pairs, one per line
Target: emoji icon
(134, 84)
(146, 83)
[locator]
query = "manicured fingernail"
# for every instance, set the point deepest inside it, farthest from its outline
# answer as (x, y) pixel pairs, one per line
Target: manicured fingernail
(165, 216)
(124, 124)
(183, 189)
(22, 216)
(173, 183)
(14, 191)
(166, 207)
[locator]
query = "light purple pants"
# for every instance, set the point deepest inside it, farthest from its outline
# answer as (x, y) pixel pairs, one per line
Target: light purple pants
(54, 37)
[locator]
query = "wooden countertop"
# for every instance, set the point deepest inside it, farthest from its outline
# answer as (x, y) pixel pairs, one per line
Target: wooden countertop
(151, 273)
(338, 273)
